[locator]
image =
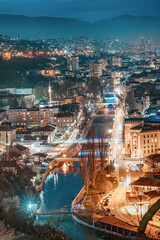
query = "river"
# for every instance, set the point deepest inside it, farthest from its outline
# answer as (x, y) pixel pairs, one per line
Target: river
(61, 188)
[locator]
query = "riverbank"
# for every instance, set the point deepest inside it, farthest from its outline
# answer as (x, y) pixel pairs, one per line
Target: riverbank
(113, 235)
(61, 188)
(114, 228)
(91, 219)
(85, 215)
(71, 151)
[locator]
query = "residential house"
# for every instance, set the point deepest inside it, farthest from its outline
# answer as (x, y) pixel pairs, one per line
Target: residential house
(7, 134)
(9, 166)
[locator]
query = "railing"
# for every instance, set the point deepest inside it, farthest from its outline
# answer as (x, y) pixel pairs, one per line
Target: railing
(53, 213)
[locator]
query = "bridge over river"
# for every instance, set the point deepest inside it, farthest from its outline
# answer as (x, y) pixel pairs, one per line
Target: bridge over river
(58, 162)
(53, 213)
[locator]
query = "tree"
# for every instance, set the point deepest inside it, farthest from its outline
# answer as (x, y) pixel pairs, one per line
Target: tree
(148, 216)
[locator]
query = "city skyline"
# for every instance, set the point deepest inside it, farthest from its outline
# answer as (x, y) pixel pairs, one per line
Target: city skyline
(79, 119)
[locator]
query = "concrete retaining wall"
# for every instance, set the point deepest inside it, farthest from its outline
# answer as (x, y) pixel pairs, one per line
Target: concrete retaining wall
(96, 228)
(107, 232)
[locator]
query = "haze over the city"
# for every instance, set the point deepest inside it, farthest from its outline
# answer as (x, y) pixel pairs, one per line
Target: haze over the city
(88, 10)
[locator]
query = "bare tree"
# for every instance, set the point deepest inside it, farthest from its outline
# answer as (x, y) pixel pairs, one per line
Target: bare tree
(102, 149)
(89, 157)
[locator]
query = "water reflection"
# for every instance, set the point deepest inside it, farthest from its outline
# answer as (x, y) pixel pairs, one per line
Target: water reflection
(60, 189)
(64, 168)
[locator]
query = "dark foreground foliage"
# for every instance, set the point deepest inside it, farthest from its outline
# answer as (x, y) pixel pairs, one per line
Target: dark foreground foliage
(25, 224)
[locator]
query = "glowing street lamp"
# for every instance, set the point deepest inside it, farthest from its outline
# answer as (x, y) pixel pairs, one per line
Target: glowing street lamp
(110, 130)
(30, 206)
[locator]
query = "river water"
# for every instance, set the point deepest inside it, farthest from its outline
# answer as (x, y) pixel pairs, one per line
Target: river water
(61, 188)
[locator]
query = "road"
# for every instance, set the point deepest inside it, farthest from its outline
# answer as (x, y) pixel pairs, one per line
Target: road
(117, 203)
(116, 145)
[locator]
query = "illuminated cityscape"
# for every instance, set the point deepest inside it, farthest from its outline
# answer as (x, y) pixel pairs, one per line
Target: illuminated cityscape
(79, 124)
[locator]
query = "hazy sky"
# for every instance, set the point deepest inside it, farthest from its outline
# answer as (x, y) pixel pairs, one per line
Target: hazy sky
(90, 10)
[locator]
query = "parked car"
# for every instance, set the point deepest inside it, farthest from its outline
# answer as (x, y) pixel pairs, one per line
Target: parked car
(112, 215)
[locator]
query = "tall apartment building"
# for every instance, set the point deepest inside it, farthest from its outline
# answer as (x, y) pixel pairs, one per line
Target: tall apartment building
(117, 61)
(32, 117)
(96, 69)
(74, 64)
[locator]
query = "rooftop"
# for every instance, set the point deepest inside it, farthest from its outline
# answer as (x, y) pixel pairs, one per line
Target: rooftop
(133, 120)
(146, 181)
(9, 164)
(63, 115)
(45, 128)
(21, 147)
(154, 157)
(144, 127)
(118, 223)
(6, 128)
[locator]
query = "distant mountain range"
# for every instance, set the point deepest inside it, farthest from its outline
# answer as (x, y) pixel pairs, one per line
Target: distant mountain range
(127, 28)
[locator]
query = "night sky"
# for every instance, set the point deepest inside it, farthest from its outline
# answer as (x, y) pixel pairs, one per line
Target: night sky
(89, 10)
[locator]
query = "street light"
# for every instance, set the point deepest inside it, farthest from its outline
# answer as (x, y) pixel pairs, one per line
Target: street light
(30, 206)
(110, 130)
(116, 165)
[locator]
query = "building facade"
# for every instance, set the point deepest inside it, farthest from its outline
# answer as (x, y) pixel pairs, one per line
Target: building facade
(65, 120)
(7, 135)
(32, 117)
(141, 139)
(96, 69)
(74, 64)
(46, 130)
(19, 91)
